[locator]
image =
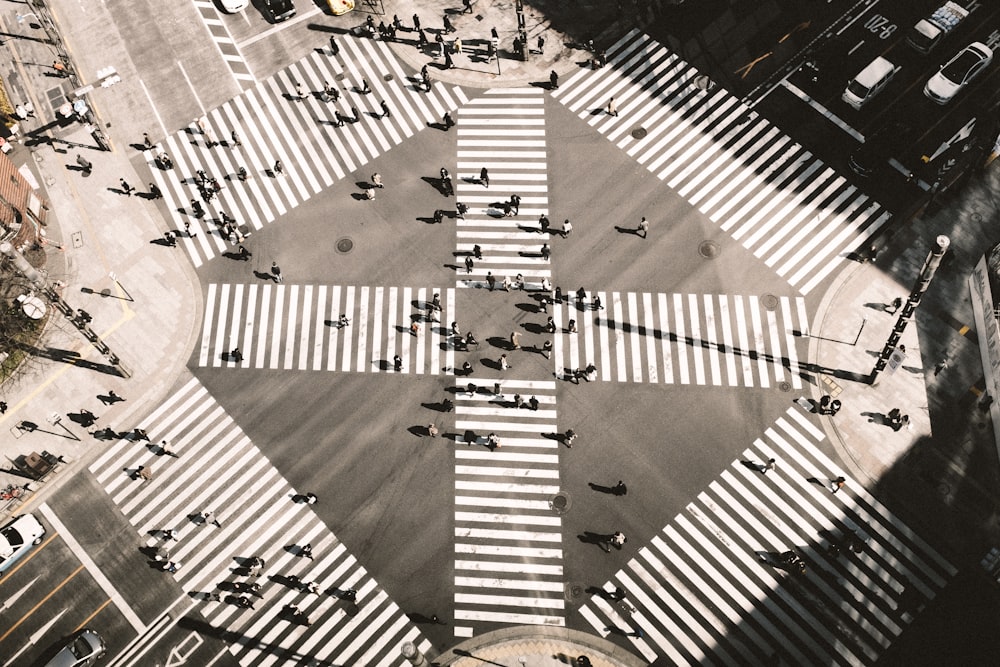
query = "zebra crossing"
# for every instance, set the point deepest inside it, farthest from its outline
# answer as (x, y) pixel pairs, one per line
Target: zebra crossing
(769, 193)
(717, 339)
(503, 131)
(273, 123)
(508, 538)
(300, 327)
(230, 50)
(219, 469)
(702, 593)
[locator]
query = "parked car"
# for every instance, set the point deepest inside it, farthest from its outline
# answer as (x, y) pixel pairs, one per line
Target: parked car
(869, 82)
(280, 10)
(233, 6)
(955, 74)
(85, 649)
(17, 538)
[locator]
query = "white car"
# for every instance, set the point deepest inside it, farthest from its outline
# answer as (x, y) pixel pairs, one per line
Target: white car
(84, 650)
(17, 538)
(233, 6)
(955, 74)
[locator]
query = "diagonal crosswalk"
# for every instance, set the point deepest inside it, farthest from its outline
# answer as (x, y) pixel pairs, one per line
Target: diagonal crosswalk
(273, 123)
(299, 327)
(504, 132)
(700, 593)
(508, 539)
(704, 339)
(218, 469)
(772, 195)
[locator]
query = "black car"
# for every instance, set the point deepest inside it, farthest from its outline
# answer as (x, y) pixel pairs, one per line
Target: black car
(281, 10)
(877, 149)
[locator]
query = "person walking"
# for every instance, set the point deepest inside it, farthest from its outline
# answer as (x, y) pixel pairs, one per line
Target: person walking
(492, 441)
(235, 139)
(397, 363)
(515, 202)
(533, 403)
(567, 228)
(307, 551)
(618, 540)
(569, 437)
(491, 280)
(144, 473)
(515, 340)
(619, 489)
(467, 4)
(458, 45)
(154, 191)
(643, 228)
(334, 47)
(477, 251)
(208, 517)
(543, 224)
(276, 272)
(279, 168)
(547, 349)
(546, 252)
(432, 430)
(416, 22)
(837, 484)
(550, 325)
(502, 362)
(377, 180)
(85, 165)
(612, 108)
(484, 177)
(385, 109)
(126, 188)
(468, 263)
(553, 80)
(448, 121)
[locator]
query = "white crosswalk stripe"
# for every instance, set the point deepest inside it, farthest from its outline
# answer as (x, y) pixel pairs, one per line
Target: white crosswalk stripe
(703, 593)
(273, 124)
(282, 326)
(218, 469)
(504, 132)
(508, 539)
(705, 339)
(771, 194)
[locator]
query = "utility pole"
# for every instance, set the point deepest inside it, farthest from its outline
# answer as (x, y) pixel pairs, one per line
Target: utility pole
(909, 307)
(82, 323)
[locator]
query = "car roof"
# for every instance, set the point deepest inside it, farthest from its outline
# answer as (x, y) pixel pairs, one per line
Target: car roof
(28, 527)
(874, 71)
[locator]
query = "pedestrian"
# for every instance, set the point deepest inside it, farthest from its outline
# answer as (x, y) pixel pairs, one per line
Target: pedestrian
(618, 540)
(167, 450)
(126, 188)
(533, 403)
(3, 407)
(458, 45)
(146, 141)
(581, 296)
(770, 465)
(643, 228)
(385, 109)
(550, 325)
(154, 191)
(553, 80)
(835, 407)
(300, 94)
(60, 68)
(144, 473)
(468, 7)
(466, 370)
(477, 251)
(540, 44)
(377, 180)
(242, 174)
(416, 22)
(245, 602)
(208, 517)
(571, 327)
(567, 228)
(617, 594)
(597, 303)
(492, 441)
(448, 62)
(397, 363)
(484, 177)
(612, 108)
(436, 302)
(334, 47)
(519, 281)
(279, 168)
(140, 434)
(343, 321)
(468, 263)
(171, 566)
(837, 484)
(491, 281)
(432, 430)
(518, 401)
(84, 164)
(415, 329)
(502, 362)
(311, 498)
(515, 202)
(894, 307)
(448, 121)
(515, 340)
(546, 251)
(506, 284)
(569, 437)
(547, 349)
(307, 551)
(619, 489)
(276, 272)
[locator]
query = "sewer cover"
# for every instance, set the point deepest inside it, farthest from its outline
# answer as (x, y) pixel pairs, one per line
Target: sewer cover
(785, 386)
(345, 245)
(560, 503)
(769, 301)
(709, 249)
(576, 590)
(388, 77)
(639, 133)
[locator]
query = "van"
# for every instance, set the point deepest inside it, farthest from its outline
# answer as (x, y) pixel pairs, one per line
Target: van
(869, 82)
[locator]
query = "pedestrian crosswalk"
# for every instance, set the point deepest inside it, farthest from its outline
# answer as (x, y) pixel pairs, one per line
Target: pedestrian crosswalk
(769, 193)
(273, 122)
(214, 467)
(503, 132)
(713, 586)
(704, 339)
(508, 538)
(300, 327)
(216, 25)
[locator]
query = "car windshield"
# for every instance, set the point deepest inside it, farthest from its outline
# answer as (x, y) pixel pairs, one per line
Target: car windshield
(9, 541)
(80, 647)
(857, 89)
(958, 68)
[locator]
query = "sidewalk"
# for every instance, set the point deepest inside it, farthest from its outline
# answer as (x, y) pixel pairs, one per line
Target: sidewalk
(101, 231)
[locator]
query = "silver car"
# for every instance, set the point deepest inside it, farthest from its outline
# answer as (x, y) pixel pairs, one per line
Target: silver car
(84, 650)
(955, 74)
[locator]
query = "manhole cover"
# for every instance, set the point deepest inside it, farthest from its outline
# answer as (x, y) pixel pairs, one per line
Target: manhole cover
(560, 503)
(387, 77)
(709, 249)
(977, 217)
(639, 133)
(769, 301)
(340, 77)
(345, 245)
(576, 590)
(785, 386)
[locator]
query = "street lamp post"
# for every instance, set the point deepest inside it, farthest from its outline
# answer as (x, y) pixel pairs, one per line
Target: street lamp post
(931, 264)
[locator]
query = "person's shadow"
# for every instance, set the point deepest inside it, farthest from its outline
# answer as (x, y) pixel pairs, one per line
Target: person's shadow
(627, 230)
(601, 540)
(610, 490)
(877, 418)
